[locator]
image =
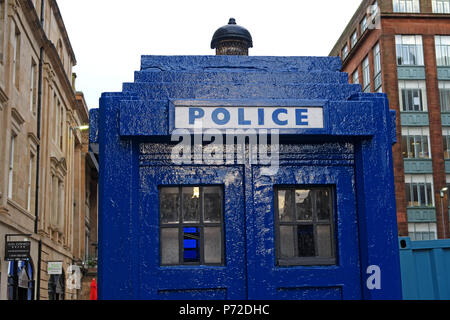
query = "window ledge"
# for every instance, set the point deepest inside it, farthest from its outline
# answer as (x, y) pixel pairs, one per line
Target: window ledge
(18, 207)
(307, 262)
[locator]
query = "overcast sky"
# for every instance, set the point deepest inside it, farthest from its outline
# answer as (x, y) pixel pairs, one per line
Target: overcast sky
(109, 36)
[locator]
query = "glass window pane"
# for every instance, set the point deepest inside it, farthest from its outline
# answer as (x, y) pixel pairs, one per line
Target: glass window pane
(323, 205)
(429, 195)
(304, 205)
(191, 244)
(191, 204)
(213, 247)
(446, 150)
(426, 153)
(169, 246)
(408, 195)
(305, 236)
(324, 241)
(212, 203)
(285, 205)
(169, 205)
(416, 198)
(405, 146)
(412, 148)
(287, 242)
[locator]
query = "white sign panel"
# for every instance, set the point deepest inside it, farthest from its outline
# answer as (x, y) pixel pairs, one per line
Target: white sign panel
(248, 117)
(54, 267)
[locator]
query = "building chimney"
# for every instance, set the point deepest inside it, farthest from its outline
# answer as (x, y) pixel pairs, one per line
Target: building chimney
(232, 40)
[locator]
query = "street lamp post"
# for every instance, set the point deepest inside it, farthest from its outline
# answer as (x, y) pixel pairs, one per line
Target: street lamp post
(443, 191)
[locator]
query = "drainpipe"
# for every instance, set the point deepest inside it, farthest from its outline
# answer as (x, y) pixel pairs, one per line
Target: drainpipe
(38, 156)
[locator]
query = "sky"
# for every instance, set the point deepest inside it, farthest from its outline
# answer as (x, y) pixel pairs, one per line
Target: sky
(109, 36)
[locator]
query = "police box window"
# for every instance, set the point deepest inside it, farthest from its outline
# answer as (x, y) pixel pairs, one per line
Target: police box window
(304, 220)
(191, 221)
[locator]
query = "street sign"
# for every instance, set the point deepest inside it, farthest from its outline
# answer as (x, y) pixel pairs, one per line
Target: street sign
(17, 250)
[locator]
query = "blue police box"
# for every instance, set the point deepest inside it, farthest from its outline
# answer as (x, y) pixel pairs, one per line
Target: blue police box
(320, 225)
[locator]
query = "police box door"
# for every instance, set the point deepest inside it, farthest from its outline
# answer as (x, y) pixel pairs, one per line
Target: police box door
(192, 233)
(230, 232)
(303, 234)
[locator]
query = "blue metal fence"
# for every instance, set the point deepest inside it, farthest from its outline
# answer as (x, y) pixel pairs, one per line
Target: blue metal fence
(425, 267)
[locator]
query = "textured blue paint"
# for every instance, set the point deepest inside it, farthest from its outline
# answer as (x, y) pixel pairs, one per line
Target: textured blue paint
(424, 267)
(352, 152)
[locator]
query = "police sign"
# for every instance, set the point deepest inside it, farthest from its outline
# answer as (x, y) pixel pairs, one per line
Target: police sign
(268, 117)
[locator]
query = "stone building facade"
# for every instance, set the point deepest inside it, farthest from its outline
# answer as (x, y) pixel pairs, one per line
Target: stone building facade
(44, 175)
(402, 48)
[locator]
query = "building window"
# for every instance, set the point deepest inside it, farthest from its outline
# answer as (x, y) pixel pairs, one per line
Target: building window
(12, 155)
(366, 75)
(409, 50)
(61, 127)
(442, 50)
(345, 52)
(2, 28)
(422, 231)
(412, 6)
(377, 66)
(412, 96)
(446, 138)
(191, 221)
(441, 6)
(304, 226)
(354, 39)
(16, 58)
(363, 25)
(416, 143)
(33, 85)
(448, 191)
(30, 182)
(355, 77)
(419, 191)
(444, 95)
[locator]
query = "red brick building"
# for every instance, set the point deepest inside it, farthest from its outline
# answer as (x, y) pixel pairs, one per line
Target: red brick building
(402, 48)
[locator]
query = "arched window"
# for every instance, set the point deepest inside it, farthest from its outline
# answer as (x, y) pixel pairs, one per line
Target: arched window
(56, 287)
(20, 280)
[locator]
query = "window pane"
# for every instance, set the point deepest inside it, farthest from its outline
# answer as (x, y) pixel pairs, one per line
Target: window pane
(422, 195)
(213, 247)
(446, 146)
(405, 146)
(212, 203)
(285, 205)
(323, 205)
(170, 205)
(425, 152)
(303, 205)
(305, 235)
(169, 246)
(191, 204)
(191, 244)
(287, 242)
(445, 99)
(324, 242)
(408, 195)
(415, 194)
(429, 195)
(412, 148)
